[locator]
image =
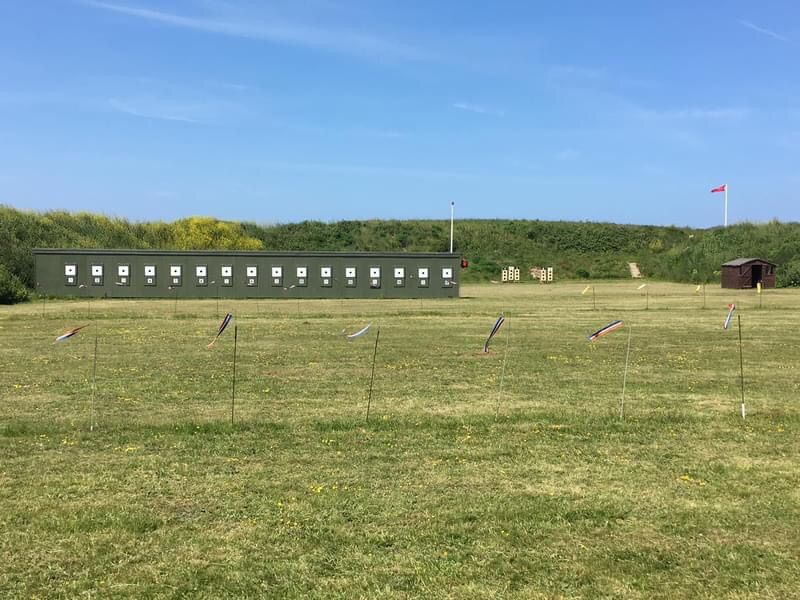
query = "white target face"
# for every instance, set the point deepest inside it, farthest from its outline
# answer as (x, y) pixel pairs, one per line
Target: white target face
(150, 271)
(302, 272)
(123, 270)
(399, 272)
(252, 271)
(97, 270)
(325, 272)
(374, 271)
(447, 273)
(422, 272)
(277, 271)
(70, 270)
(350, 272)
(227, 271)
(201, 270)
(175, 271)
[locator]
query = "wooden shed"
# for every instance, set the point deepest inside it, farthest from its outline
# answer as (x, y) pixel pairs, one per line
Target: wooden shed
(747, 272)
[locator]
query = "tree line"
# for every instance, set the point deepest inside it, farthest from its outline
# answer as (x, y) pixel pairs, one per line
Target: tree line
(577, 250)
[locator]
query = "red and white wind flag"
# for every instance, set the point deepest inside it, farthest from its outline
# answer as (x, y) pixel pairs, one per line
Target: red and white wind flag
(722, 188)
(731, 308)
(69, 333)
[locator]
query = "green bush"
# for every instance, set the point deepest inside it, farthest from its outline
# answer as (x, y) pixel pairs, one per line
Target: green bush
(12, 289)
(788, 275)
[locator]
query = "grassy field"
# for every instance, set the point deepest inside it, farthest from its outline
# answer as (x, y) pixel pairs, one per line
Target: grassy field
(453, 489)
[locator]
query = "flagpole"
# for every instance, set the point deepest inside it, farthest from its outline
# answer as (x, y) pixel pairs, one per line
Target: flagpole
(726, 205)
(452, 209)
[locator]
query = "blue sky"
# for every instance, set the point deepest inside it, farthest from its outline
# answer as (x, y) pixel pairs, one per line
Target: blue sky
(627, 111)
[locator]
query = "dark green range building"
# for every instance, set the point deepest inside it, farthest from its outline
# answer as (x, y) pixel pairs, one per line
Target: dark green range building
(230, 274)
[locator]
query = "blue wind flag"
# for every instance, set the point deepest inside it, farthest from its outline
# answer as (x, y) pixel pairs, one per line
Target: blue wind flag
(225, 322)
(498, 324)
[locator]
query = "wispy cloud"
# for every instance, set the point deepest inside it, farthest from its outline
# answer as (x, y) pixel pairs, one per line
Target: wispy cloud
(763, 30)
(367, 170)
(568, 154)
(150, 109)
(695, 114)
(274, 31)
(573, 72)
(481, 110)
(228, 85)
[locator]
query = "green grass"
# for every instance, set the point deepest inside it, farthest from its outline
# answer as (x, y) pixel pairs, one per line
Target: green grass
(451, 490)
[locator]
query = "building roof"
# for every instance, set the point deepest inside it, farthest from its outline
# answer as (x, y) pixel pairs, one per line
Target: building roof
(738, 262)
(230, 253)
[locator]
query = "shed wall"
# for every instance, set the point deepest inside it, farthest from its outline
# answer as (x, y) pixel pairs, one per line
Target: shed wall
(741, 276)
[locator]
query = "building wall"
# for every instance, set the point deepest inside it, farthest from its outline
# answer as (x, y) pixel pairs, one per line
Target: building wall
(162, 274)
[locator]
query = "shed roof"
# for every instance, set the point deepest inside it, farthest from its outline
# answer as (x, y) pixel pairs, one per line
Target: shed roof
(738, 262)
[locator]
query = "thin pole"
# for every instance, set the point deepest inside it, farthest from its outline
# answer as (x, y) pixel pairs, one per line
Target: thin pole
(625, 374)
(704, 295)
(647, 300)
(452, 210)
(726, 205)
(94, 378)
(594, 300)
(372, 377)
(503, 371)
(175, 308)
(88, 300)
(233, 389)
(741, 361)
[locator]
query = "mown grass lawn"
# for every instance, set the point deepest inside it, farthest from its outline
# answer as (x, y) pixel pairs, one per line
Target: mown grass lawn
(453, 489)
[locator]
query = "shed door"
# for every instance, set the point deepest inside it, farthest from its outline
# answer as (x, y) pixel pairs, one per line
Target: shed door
(755, 274)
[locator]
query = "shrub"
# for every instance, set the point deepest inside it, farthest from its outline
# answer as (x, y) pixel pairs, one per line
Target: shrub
(788, 275)
(11, 288)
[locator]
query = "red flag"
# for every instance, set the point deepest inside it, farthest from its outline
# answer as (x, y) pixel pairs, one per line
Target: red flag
(721, 188)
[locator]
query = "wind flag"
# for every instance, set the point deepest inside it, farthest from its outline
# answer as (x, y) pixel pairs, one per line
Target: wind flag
(498, 324)
(641, 287)
(68, 334)
(586, 289)
(722, 188)
(354, 336)
(613, 326)
(225, 322)
(731, 308)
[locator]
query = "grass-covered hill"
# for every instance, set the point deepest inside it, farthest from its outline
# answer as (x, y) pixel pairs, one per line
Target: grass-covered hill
(575, 250)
